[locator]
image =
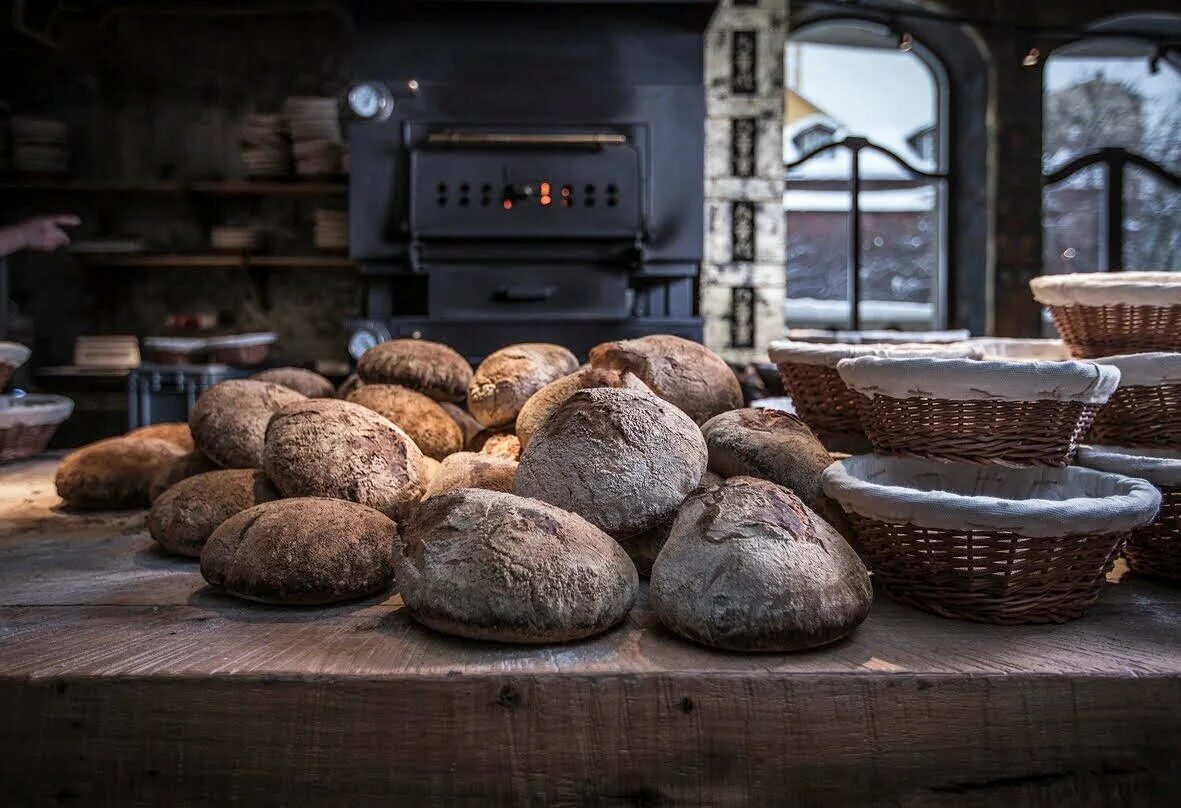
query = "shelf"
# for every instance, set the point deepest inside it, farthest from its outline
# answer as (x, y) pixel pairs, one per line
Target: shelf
(204, 187)
(216, 260)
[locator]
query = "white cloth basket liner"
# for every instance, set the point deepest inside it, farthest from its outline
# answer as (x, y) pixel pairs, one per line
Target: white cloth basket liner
(1037, 502)
(1158, 466)
(1145, 369)
(1108, 289)
(13, 353)
(979, 380)
(1011, 348)
(827, 355)
(35, 410)
(880, 336)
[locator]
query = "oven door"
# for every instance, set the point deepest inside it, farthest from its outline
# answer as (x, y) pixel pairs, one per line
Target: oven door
(491, 292)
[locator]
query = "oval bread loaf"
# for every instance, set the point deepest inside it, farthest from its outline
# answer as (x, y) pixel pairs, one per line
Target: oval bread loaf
(431, 368)
(230, 420)
(506, 379)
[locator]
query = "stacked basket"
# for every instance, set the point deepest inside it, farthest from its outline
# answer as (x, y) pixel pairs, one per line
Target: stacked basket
(26, 422)
(1132, 321)
(968, 507)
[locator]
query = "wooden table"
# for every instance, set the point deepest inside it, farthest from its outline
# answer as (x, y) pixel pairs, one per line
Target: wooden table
(124, 680)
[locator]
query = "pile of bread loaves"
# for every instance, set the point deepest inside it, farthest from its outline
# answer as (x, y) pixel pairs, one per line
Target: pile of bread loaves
(527, 515)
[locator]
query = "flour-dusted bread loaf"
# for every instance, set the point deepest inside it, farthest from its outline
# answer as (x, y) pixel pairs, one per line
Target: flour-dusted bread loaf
(467, 424)
(473, 470)
(493, 566)
(325, 447)
(178, 433)
(430, 467)
(230, 420)
(431, 368)
(749, 567)
(301, 552)
(643, 548)
(547, 399)
(113, 473)
(776, 446)
(185, 515)
(678, 370)
(183, 467)
(308, 382)
(622, 459)
(504, 444)
(507, 378)
(419, 416)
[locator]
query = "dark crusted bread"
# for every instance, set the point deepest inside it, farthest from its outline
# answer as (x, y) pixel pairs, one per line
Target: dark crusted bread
(311, 384)
(184, 515)
(430, 368)
(230, 420)
(506, 379)
(113, 473)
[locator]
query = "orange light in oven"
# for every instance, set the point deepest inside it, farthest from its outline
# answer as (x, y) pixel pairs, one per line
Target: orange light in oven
(545, 189)
(546, 199)
(508, 204)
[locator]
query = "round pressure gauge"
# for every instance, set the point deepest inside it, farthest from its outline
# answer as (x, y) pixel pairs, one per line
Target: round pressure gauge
(366, 337)
(371, 101)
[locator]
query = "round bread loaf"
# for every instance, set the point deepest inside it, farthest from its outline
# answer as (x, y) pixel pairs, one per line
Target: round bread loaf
(307, 382)
(473, 470)
(431, 368)
(430, 467)
(348, 386)
(493, 566)
(230, 420)
(507, 378)
(680, 371)
(749, 567)
(776, 446)
(329, 448)
(419, 416)
(467, 424)
(643, 548)
(184, 515)
(180, 434)
(622, 459)
(183, 467)
(547, 399)
(113, 473)
(506, 445)
(301, 552)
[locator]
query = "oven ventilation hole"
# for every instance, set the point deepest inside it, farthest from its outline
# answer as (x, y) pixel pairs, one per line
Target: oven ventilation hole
(442, 201)
(442, 188)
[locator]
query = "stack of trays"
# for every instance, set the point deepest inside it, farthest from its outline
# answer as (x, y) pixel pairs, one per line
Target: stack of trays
(1109, 313)
(264, 152)
(331, 229)
(39, 145)
(314, 124)
(234, 238)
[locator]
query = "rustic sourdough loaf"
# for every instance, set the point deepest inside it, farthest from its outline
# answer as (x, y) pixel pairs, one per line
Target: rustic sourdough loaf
(467, 424)
(180, 434)
(546, 400)
(419, 416)
(678, 370)
(749, 567)
(644, 547)
(494, 566)
(473, 470)
(431, 368)
(230, 420)
(184, 516)
(330, 448)
(183, 467)
(622, 459)
(301, 552)
(311, 384)
(113, 473)
(506, 379)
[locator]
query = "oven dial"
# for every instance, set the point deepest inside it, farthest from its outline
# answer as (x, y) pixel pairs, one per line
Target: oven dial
(371, 101)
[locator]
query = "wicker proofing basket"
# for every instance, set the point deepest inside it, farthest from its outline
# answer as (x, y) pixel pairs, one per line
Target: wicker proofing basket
(1146, 409)
(1108, 313)
(1154, 549)
(821, 399)
(12, 356)
(1011, 413)
(967, 541)
(28, 422)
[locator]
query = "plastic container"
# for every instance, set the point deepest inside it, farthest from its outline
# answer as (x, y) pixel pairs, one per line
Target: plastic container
(1109, 313)
(967, 541)
(27, 424)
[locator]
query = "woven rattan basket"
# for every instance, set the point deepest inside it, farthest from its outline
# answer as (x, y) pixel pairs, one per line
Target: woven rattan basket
(997, 546)
(1011, 413)
(821, 399)
(1146, 409)
(27, 424)
(12, 356)
(1108, 313)
(1154, 549)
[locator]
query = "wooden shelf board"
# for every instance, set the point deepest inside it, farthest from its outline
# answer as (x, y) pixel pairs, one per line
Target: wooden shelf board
(217, 260)
(205, 187)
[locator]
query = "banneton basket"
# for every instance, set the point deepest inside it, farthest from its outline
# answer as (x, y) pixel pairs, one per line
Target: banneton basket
(878, 336)
(1010, 546)
(1108, 313)
(1146, 409)
(1154, 549)
(821, 399)
(28, 422)
(12, 356)
(1044, 350)
(1011, 413)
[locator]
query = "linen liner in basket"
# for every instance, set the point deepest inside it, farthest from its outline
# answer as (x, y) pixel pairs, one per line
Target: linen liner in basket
(1154, 549)
(28, 422)
(1108, 313)
(12, 356)
(1146, 409)
(821, 399)
(1007, 546)
(1047, 350)
(1011, 413)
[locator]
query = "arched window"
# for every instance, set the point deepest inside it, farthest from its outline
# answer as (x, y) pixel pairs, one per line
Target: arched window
(861, 97)
(1111, 151)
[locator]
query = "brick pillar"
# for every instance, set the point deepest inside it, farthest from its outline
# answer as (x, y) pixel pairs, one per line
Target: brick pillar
(743, 277)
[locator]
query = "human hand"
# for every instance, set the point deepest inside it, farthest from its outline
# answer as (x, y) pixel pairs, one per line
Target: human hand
(45, 233)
